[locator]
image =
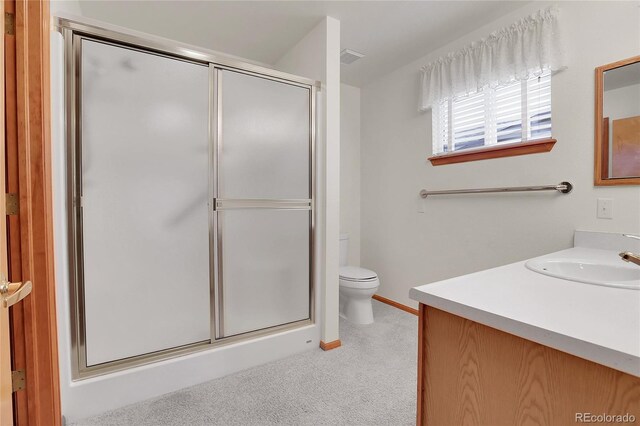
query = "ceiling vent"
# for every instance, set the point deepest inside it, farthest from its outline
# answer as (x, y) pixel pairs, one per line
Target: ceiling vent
(349, 56)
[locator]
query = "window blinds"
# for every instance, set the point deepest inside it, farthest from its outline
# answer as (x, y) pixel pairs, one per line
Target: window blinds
(517, 112)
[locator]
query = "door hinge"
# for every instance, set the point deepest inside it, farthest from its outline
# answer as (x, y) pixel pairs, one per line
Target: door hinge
(9, 23)
(13, 204)
(18, 380)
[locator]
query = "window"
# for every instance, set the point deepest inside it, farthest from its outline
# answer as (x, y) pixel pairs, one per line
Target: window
(518, 112)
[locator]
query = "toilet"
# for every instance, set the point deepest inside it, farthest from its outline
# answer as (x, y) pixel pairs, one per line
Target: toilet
(357, 285)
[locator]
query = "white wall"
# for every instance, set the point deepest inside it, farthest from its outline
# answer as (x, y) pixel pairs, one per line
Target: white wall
(64, 6)
(623, 102)
(98, 394)
(317, 56)
(457, 235)
(350, 169)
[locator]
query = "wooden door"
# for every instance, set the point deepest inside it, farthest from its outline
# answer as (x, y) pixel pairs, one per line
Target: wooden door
(6, 405)
(27, 234)
(626, 147)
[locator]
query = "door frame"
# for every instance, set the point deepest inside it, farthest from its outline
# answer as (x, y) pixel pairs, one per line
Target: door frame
(34, 326)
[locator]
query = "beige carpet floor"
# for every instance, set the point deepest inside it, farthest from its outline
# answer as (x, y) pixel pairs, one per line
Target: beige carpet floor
(370, 380)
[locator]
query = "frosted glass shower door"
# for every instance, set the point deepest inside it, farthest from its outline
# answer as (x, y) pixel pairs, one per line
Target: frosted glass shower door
(263, 203)
(143, 161)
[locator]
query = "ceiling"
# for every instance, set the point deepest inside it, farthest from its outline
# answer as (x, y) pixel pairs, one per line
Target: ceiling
(389, 33)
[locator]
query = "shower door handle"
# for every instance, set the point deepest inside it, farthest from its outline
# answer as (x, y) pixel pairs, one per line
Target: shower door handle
(259, 203)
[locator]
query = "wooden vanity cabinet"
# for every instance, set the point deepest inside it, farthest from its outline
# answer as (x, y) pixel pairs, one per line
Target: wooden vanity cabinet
(471, 374)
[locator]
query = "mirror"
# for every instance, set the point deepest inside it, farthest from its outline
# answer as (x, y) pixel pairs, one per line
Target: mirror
(617, 129)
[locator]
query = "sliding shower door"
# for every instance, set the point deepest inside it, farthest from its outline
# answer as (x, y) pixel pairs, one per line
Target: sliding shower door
(142, 188)
(190, 200)
(263, 202)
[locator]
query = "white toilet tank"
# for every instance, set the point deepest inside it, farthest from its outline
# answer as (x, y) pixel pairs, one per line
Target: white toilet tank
(344, 249)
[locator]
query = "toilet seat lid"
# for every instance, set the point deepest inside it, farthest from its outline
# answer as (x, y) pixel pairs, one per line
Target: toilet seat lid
(354, 273)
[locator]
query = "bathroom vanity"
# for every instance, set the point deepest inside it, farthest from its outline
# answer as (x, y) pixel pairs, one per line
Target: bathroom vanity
(511, 345)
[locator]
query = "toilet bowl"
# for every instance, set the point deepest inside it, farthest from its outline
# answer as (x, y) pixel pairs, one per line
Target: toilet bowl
(357, 285)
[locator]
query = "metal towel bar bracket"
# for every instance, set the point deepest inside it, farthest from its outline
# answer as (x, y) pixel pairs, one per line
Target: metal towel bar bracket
(563, 187)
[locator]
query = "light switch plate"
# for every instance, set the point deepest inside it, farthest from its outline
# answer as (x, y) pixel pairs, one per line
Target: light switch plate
(605, 208)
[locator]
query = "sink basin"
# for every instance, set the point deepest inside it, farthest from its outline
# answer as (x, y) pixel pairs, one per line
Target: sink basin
(610, 275)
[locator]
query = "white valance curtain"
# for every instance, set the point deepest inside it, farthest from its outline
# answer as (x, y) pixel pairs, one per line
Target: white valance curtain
(525, 49)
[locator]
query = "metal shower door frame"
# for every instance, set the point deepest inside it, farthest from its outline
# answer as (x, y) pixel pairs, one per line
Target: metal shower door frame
(73, 32)
(221, 204)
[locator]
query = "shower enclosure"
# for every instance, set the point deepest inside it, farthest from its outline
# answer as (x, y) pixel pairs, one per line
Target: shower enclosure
(190, 198)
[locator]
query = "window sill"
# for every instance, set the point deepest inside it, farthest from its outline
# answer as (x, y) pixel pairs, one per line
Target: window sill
(510, 150)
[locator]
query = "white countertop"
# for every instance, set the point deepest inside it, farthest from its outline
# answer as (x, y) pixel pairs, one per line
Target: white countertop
(597, 323)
